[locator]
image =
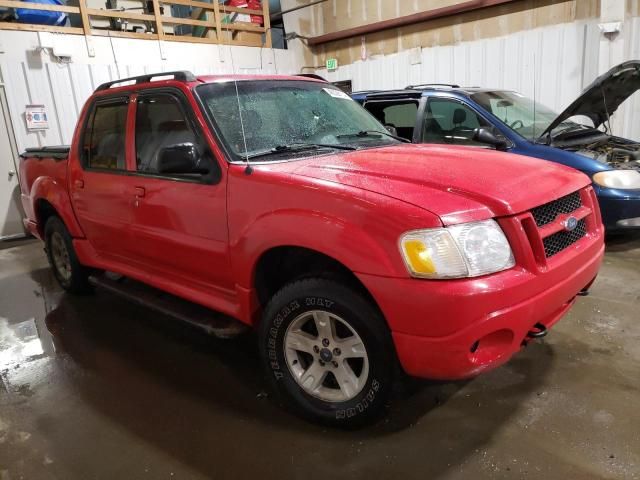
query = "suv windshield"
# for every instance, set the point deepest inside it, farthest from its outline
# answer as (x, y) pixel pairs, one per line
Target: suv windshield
(277, 114)
(528, 118)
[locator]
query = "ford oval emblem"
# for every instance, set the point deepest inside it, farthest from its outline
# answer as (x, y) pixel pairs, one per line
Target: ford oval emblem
(570, 224)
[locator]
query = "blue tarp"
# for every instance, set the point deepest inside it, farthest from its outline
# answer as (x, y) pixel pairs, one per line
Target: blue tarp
(41, 17)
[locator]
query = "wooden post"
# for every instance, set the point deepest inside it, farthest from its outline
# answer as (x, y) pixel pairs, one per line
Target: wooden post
(86, 27)
(267, 23)
(84, 16)
(159, 26)
(216, 18)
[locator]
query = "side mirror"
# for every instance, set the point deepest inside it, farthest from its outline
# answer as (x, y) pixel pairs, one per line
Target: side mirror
(391, 129)
(484, 135)
(182, 158)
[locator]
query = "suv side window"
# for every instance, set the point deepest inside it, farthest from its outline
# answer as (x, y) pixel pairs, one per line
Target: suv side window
(104, 136)
(450, 121)
(160, 123)
(402, 116)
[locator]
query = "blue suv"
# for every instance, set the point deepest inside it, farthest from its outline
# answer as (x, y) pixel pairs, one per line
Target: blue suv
(579, 137)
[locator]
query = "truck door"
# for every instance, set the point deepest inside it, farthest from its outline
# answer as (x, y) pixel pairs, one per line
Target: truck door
(179, 225)
(98, 179)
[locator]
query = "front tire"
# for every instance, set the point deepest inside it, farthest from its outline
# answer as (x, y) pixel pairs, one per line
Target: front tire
(328, 352)
(70, 274)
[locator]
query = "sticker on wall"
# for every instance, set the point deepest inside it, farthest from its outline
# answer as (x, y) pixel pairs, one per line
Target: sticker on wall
(36, 117)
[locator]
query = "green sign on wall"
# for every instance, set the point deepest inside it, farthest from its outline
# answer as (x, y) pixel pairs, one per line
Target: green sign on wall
(332, 63)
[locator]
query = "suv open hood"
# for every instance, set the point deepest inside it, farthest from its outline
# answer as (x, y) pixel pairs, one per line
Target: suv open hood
(617, 85)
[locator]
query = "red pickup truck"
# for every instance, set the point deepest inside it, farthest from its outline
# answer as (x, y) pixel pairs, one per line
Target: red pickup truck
(281, 203)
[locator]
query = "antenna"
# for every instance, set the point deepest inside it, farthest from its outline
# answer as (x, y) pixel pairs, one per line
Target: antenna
(535, 136)
(248, 169)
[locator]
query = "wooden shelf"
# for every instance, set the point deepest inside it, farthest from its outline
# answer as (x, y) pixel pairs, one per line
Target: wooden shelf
(211, 11)
(188, 21)
(144, 17)
(28, 27)
(247, 11)
(243, 27)
(189, 3)
(119, 34)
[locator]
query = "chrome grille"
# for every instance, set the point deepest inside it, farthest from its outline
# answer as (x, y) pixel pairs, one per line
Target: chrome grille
(558, 241)
(548, 212)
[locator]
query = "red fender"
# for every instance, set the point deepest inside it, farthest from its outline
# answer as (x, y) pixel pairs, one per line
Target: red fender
(51, 190)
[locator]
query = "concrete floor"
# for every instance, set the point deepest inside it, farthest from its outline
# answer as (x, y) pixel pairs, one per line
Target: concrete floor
(95, 387)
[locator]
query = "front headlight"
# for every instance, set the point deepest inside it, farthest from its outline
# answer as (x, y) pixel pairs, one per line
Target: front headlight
(465, 250)
(623, 179)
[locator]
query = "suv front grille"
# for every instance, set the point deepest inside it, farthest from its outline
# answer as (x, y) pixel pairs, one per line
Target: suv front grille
(547, 213)
(558, 241)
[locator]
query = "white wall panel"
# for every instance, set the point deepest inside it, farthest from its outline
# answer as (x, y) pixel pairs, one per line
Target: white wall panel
(31, 77)
(560, 60)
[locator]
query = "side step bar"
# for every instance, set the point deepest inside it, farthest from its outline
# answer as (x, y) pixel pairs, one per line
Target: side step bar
(213, 323)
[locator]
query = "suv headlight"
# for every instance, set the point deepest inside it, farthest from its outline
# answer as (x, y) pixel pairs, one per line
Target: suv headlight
(465, 250)
(623, 179)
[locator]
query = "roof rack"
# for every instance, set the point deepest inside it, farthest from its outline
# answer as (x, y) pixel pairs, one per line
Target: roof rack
(181, 76)
(427, 85)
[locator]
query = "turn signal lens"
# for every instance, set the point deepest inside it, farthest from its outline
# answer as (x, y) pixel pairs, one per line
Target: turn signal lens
(432, 254)
(419, 257)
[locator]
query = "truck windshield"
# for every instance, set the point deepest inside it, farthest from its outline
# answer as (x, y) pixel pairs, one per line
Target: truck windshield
(277, 114)
(528, 118)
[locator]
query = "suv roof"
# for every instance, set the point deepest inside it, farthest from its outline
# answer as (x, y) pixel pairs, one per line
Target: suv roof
(186, 76)
(417, 91)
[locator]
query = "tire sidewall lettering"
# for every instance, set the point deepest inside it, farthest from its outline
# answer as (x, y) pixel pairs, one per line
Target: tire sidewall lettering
(318, 302)
(362, 405)
(279, 369)
(272, 339)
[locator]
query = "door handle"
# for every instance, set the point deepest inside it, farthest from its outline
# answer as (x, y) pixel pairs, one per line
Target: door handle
(140, 191)
(11, 173)
(78, 183)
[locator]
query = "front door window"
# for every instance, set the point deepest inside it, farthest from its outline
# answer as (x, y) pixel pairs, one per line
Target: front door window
(452, 122)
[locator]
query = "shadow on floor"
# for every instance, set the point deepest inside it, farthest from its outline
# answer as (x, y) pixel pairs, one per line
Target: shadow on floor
(202, 400)
(623, 242)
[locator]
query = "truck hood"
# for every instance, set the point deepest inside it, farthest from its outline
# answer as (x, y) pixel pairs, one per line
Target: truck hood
(458, 184)
(603, 97)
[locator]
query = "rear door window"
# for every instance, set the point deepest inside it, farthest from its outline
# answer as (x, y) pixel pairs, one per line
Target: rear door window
(105, 136)
(401, 116)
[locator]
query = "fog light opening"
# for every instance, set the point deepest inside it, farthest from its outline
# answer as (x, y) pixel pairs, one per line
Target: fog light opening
(491, 347)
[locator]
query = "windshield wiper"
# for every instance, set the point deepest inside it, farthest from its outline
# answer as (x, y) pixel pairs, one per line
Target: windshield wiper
(296, 147)
(373, 133)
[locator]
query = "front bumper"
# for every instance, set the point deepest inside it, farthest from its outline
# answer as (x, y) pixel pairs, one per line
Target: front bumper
(435, 324)
(620, 213)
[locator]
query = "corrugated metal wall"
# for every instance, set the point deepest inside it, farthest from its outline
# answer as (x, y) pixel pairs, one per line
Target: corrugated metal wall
(30, 77)
(558, 61)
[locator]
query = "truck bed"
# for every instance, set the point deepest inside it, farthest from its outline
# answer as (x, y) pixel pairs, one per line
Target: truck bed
(46, 166)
